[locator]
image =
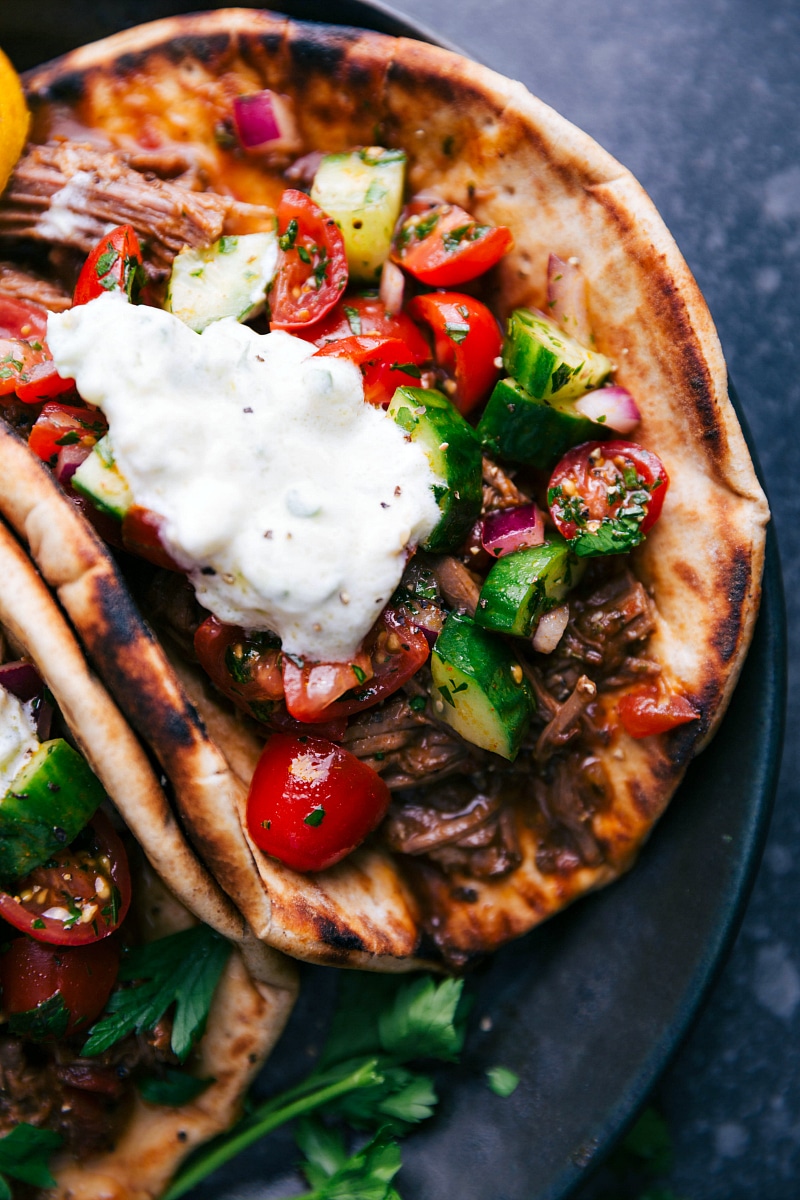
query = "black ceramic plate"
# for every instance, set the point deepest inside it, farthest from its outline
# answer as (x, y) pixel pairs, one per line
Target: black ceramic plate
(588, 1009)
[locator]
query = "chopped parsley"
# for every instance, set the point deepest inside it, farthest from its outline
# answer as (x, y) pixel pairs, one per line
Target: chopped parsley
(471, 232)
(315, 817)
(287, 240)
(353, 319)
(456, 331)
(173, 1088)
(47, 1020)
(24, 1155)
(502, 1081)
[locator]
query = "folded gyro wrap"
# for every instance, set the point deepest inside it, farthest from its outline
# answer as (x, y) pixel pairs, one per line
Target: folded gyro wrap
(505, 807)
(64, 945)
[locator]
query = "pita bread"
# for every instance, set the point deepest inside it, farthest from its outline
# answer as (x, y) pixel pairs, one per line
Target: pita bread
(482, 141)
(258, 987)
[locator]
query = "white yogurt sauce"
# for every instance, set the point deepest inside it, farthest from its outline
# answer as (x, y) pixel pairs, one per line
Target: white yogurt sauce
(266, 464)
(18, 739)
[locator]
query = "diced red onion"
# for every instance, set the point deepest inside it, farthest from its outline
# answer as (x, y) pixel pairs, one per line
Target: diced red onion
(550, 629)
(393, 283)
(265, 121)
(430, 619)
(566, 299)
(69, 459)
(510, 529)
(613, 407)
(21, 679)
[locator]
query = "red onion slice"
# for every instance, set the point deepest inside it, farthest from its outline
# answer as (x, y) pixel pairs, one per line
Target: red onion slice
(566, 299)
(613, 407)
(550, 629)
(69, 459)
(393, 283)
(510, 529)
(265, 121)
(21, 679)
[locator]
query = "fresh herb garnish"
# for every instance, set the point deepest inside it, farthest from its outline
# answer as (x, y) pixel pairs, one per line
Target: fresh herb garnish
(502, 1081)
(315, 817)
(360, 675)
(286, 240)
(353, 319)
(182, 969)
(614, 536)
(418, 704)
(408, 369)
(362, 1078)
(106, 261)
(70, 438)
(456, 331)
(173, 1088)
(24, 1155)
(47, 1020)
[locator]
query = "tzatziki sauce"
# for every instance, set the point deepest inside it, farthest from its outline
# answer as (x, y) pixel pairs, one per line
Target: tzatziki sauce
(290, 501)
(18, 740)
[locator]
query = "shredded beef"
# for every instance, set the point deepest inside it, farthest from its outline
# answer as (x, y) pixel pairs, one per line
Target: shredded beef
(459, 828)
(569, 792)
(408, 747)
(24, 285)
(70, 194)
(499, 489)
(458, 585)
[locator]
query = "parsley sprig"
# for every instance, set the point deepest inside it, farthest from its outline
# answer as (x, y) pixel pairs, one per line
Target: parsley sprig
(182, 969)
(364, 1078)
(24, 1155)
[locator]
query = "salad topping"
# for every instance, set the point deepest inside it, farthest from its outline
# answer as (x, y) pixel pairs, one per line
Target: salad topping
(291, 503)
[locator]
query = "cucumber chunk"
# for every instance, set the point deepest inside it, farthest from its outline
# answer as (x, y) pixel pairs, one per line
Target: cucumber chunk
(479, 689)
(454, 452)
(363, 192)
(547, 362)
(521, 587)
(101, 481)
(226, 279)
(518, 427)
(46, 805)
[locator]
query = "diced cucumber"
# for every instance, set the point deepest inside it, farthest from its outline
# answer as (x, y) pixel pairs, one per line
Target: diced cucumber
(547, 362)
(101, 481)
(363, 192)
(226, 279)
(522, 586)
(518, 427)
(479, 688)
(47, 804)
(454, 452)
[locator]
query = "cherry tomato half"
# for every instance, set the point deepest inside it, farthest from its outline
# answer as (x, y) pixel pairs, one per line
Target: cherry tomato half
(80, 895)
(647, 711)
(141, 534)
(312, 263)
(26, 366)
(115, 265)
(442, 245)
(312, 802)
(245, 666)
(32, 973)
(64, 425)
(396, 647)
(21, 320)
(366, 316)
(605, 496)
(466, 342)
(385, 364)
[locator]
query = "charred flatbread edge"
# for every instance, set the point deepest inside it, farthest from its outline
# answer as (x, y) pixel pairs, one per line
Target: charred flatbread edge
(484, 142)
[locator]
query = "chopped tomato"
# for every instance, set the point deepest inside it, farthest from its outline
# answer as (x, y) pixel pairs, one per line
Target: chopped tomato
(115, 265)
(64, 425)
(141, 534)
(312, 802)
(366, 316)
(442, 245)
(31, 974)
(26, 366)
(80, 895)
(244, 666)
(312, 263)
(312, 687)
(466, 342)
(385, 364)
(647, 711)
(605, 496)
(396, 647)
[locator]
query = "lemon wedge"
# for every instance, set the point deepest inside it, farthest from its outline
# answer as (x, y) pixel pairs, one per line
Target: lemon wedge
(14, 119)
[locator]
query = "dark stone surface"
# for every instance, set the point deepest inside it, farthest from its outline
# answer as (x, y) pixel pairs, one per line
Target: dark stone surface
(701, 101)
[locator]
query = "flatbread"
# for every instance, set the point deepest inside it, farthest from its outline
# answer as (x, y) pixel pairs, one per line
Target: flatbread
(258, 987)
(484, 142)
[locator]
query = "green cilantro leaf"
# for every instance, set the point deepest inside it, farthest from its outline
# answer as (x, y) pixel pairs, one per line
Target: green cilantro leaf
(47, 1020)
(422, 1022)
(502, 1081)
(24, 1155)
(173, 1088)
(182, 969)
